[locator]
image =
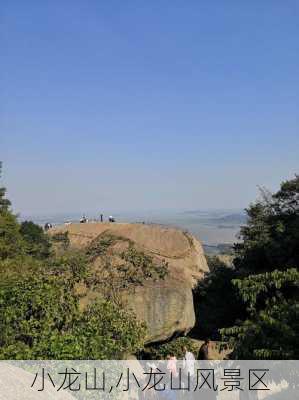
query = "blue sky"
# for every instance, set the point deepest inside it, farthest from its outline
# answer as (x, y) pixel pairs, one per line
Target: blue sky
(145, 105)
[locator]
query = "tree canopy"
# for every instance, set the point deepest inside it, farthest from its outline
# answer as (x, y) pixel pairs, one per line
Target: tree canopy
(268, 257)
(270, 238)
(4, 203)
(40, 314)
(271, 329)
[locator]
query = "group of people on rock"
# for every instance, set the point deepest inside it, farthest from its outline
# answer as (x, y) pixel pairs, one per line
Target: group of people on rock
(84, 219)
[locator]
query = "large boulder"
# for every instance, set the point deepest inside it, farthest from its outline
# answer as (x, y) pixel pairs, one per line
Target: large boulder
(164, 303)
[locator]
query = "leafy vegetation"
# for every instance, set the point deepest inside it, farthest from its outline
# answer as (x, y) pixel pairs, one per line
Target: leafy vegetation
(11, 241)
(61, 239)
(134, 266)
(254, 305)
(40, 317)
(270, 238)
(174, 347)
(271, 330)
(72, 263)
(101, 244)
(140, 266)
(211, 310)
(37, 243)
(269, 249)
(4, 202)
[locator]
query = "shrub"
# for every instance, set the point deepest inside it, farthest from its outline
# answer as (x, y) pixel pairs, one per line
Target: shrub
(175, 347)
(40, 319)
(37, 243)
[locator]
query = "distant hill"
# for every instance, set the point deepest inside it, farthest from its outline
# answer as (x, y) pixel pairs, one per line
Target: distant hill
(222, 248)
(232, 219)
(219, 217)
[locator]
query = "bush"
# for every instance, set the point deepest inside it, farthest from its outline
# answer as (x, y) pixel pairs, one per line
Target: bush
(270, 238)
(100, 245)
(39, 310)
(271, 329)
(212, 312)
(40, 319)
(108, 332)
(175, 347)
(61, 239)
(32, 310)
(73, 263)
(139, 267)
(11, 241)
(134, 268)
(37, 243)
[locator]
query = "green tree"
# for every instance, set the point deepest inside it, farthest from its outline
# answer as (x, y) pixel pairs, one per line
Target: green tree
(40, 319)
(211, 311)
(4, 203)
(268, 249)
(11, 243)
(33, 309)
(40, 316)
(106, 331)
(174, 347)
(15, 239)
(271, 330)
(270, 238)
(72, 263)
(37, 243)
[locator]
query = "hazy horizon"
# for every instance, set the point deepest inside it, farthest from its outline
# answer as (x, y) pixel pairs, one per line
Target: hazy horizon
(212, 227)
(115, 106)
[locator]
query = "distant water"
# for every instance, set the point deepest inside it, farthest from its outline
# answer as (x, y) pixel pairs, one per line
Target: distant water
(211, 227)
(207, 228)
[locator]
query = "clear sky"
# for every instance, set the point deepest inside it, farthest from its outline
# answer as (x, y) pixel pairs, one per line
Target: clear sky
(141, 105)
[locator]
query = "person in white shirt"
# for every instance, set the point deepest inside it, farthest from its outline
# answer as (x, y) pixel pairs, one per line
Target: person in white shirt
(188, 362)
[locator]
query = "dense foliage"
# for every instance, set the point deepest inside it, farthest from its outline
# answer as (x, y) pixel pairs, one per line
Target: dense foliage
(132, 268)
(271, 237)
(11, 241)
(175, 347)
(211, 310)
(271, 330)
(37, 243)
(254, 304)
(4, 202)
(268, 255)
(40, 317)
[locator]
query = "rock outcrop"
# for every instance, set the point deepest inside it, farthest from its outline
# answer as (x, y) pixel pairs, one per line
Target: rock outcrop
(164, 303)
